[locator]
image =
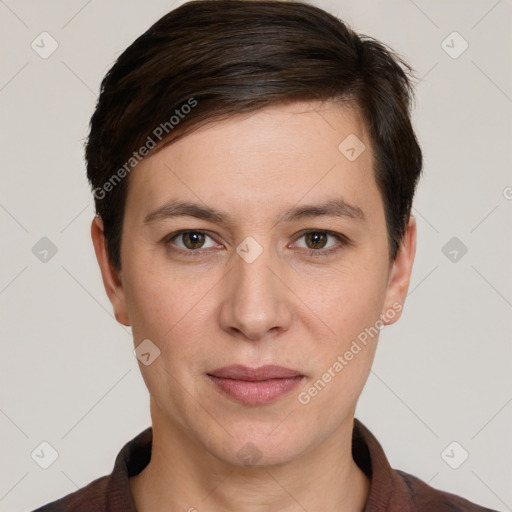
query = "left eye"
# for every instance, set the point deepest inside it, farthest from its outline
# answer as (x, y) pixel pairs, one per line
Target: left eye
(317, 241)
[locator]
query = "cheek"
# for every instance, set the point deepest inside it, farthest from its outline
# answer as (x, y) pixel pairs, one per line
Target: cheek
(346, 306)
(157, 296)
(151, 310)
(348, 312)
(167, 310)
(350, 298)
(153, 299)
(169, 307)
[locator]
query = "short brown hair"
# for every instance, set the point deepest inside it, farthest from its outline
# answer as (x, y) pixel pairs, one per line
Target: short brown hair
(224, 57)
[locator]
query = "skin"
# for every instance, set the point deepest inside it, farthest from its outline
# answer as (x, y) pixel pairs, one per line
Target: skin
(288, 308)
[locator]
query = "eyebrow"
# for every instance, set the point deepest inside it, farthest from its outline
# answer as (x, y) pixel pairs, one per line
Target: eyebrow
(178, 208)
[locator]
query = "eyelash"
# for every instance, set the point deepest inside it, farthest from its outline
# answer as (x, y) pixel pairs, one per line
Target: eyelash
(342, 242)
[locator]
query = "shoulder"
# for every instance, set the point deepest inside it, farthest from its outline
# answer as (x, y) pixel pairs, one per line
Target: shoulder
(393, 490)
(90, 497)
(109, 492)
(425, 497)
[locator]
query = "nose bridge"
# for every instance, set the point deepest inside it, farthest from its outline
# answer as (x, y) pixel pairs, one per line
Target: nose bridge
(256, 300)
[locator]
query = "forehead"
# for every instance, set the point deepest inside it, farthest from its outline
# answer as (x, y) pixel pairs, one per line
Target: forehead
(255, 163)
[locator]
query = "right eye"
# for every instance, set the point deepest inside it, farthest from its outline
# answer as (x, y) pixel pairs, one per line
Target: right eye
(192, 241)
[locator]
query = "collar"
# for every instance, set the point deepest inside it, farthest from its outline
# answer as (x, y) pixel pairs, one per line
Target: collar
(390, 490)
(386, 487)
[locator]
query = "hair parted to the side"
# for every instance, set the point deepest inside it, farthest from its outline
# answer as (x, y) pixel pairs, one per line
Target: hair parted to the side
(224, 57)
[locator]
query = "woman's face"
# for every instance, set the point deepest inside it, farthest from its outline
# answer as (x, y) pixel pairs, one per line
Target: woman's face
(289, 268)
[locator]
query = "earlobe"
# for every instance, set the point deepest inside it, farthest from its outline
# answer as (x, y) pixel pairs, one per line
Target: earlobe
(400, 275)
(111, 277)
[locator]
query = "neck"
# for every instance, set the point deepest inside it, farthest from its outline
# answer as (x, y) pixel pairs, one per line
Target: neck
(183, 475)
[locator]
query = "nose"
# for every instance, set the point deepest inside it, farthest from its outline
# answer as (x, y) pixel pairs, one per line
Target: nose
(257, 302)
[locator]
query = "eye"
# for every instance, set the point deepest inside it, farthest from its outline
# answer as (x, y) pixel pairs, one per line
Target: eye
(191, 241)
(317, 242)
(195, 242)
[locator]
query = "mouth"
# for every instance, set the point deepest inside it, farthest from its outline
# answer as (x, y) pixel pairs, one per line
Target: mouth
(255, 386)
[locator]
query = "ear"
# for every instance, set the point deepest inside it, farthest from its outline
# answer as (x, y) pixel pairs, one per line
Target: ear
(399, 276)
(112, 279)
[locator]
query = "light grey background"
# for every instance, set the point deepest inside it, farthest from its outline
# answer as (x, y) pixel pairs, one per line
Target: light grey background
(442, 374)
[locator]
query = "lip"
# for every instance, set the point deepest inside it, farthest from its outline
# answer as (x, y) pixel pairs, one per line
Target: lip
(255, 386)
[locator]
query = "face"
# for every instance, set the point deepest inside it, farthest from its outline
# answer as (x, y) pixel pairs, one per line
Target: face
(279, 258)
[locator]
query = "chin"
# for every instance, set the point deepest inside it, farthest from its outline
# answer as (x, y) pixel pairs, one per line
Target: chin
(257, 448)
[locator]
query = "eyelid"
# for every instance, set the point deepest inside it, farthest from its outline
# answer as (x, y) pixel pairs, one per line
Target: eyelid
(342, 242)
(168, 239)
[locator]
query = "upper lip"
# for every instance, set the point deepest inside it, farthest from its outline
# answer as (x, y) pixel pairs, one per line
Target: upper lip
(240, 372)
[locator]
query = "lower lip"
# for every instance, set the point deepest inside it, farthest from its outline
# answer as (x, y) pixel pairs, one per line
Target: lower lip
(256, 392)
